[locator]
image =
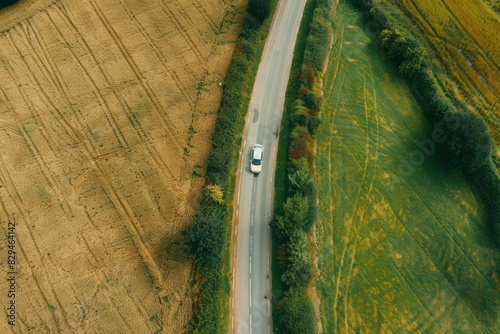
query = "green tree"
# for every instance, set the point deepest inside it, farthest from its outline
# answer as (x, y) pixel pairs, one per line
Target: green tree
(362, 4)
(415, 60)
(301, 182)
(467, 143)
(297, 271)
(259, 8)
(386, 38)
(297, 313)
(299, 113)
(314, 101)
(204, 240)
(398, 47)
(293, 217)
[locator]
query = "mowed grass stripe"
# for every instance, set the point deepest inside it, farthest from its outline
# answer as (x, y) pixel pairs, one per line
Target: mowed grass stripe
(402, 248)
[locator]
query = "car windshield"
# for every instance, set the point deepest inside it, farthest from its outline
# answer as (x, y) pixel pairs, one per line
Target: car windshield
(256, 162)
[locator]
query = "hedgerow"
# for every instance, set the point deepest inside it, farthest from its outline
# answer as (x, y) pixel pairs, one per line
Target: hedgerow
(467, 146)
(206, 241)
(297, 312)
(292, 222)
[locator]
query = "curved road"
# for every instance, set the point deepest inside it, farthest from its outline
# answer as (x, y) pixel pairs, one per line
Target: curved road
(255, 193)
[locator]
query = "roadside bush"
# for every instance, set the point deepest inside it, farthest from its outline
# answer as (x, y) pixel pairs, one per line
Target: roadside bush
(363, 4)
(248, 48)
(297, 164)
(215, 193)
(249, 28)
(301, 182)
(300, 143)
(299, 113)
(219, 164)
(259, 8)
(306, 78)
(297, 269)
(204, 240)
(300, 148)
(298, 214)
(318, 40)
(302, 92)
(314, 123)
(316, 50)
(314, 101)
(296, 312)
(293, 222)
(228, 118)
(209, 308)
(293, 217)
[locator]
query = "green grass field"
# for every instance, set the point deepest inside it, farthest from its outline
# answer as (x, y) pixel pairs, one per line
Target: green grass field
(403, 245)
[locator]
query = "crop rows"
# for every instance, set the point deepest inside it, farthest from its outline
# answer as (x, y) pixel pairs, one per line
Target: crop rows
(463, 36)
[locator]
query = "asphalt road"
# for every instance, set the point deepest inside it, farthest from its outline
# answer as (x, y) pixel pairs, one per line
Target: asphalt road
(254, 204)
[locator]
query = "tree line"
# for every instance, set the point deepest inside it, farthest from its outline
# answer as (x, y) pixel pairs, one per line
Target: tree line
(466, 143)
(292, 223)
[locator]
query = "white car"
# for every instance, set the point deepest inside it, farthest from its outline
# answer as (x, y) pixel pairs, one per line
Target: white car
(256, 158)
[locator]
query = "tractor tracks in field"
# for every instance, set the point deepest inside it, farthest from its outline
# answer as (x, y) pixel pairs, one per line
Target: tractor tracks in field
(88, 150)
(163, 116)
(426, 252)
(356, 220)
(159, 54)
(369, 157)
(192, 44)
(86, 83)
(47, 293)
(64, 15)
(491, 62)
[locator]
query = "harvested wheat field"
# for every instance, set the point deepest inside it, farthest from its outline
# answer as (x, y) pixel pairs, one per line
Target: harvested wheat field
(106, 111)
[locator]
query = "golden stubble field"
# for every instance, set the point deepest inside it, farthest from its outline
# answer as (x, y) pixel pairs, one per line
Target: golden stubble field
(106, 111)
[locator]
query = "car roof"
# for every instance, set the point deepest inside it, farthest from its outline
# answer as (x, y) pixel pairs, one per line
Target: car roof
(257, 151)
